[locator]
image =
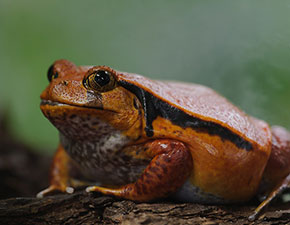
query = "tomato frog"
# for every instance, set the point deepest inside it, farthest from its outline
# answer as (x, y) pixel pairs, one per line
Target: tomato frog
(144, 139)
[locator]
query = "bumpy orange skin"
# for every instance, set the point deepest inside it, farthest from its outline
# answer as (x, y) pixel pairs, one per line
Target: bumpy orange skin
(213, 162)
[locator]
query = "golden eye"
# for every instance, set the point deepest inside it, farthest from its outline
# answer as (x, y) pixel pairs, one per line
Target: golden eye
(100, 80)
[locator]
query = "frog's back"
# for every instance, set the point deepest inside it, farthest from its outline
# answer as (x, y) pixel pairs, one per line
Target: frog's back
(202, 103)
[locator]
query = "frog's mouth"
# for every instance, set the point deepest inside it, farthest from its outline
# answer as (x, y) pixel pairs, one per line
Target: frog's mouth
(45, 102)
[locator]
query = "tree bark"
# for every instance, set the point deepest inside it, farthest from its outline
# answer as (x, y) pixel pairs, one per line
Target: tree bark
(93, 208)
(24, 173)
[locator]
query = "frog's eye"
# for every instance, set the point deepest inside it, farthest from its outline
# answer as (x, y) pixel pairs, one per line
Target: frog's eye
(100, 80)
(51, 74)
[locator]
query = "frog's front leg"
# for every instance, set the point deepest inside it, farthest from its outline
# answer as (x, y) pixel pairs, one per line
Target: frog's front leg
(59, 174)
(169, 168)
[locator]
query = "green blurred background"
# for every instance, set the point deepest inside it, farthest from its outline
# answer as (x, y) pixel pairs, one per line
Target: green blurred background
(239, 48)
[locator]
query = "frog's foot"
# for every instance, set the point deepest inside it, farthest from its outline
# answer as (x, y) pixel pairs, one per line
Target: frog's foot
(285, 184)
(75, 183)
(168, 170)
(60, 181)
(53, 189)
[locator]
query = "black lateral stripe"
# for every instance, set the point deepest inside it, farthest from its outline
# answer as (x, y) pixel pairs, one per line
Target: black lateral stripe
(154, 107)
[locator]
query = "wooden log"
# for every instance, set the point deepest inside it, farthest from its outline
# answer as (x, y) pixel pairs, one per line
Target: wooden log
(93, 208)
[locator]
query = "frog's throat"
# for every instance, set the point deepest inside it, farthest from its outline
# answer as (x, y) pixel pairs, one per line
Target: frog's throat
(102, 160)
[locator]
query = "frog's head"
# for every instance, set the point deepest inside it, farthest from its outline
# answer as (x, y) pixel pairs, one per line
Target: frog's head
(80, 100)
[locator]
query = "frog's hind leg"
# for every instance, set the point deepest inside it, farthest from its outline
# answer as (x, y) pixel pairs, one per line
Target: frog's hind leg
(167, 171)
(59, 174)
(277, 172)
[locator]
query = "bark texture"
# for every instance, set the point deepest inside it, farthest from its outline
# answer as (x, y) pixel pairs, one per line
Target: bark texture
(83, 208)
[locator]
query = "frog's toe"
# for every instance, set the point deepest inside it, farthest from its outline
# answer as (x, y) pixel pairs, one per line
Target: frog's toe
(53, 189)
(100, 189)
(253, 217)
(91, 188)
(106, 191)
(69, 190)
(46, 192)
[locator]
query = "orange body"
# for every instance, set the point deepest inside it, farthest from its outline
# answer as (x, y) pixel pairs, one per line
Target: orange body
(143, 139)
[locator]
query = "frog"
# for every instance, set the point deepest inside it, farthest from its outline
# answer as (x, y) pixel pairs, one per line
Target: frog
(141, 139)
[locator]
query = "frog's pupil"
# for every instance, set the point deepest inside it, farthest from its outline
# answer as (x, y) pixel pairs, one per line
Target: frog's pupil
(102, 77)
